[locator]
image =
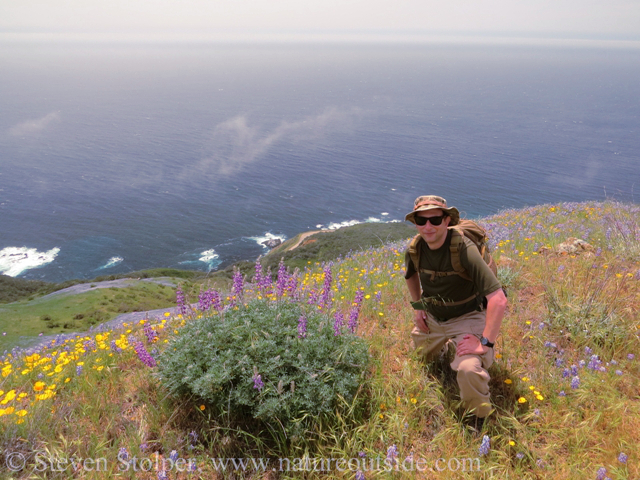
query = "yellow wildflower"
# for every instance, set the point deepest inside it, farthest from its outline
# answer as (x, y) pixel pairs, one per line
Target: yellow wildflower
(11, 394)
(522, 400)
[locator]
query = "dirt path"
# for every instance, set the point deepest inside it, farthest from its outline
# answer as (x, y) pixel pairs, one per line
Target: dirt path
(121, 283)
(303, 236)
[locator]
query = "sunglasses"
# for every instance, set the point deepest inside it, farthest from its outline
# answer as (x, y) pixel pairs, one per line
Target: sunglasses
(435, 221)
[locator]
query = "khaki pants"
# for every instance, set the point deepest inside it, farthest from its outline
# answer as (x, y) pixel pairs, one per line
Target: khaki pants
(473, 378)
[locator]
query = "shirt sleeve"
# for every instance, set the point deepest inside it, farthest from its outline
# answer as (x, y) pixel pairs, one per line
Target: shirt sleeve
(480, 273)
(410, 270)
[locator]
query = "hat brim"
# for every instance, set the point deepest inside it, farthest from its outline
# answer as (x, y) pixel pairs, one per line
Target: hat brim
(451, 211)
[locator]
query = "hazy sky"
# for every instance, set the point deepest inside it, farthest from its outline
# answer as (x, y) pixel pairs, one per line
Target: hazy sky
(616, 19)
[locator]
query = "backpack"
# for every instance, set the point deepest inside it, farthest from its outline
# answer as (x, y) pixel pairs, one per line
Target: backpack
(465, 228)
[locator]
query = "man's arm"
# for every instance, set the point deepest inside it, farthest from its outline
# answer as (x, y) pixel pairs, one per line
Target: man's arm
(496, 306)
(415, 291)
(413, 284)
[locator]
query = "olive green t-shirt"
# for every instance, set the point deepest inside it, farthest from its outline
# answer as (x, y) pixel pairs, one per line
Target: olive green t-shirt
(453, 288)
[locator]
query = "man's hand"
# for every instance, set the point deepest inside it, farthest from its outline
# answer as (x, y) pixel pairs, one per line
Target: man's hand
(470, 345)
(420, 320)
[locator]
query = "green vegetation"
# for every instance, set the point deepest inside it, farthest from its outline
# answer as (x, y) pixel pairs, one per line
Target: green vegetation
(329, 245)
(308, 369)
(564, 384)
(15, 289)
(64, 313)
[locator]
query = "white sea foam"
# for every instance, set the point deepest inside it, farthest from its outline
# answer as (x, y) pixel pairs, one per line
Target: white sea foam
(113, 261)
(348, 223)
(15, 260)
(210, 257)
(268, 236)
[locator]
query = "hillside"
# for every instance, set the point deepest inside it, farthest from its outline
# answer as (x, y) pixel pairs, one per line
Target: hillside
(565, 384)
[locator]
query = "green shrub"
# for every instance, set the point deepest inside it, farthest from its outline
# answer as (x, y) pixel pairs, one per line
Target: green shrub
(222, 359)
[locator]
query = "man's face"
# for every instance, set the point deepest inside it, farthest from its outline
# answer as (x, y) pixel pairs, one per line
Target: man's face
(434, 235)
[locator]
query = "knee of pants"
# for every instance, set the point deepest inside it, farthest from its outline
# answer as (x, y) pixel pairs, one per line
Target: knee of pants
(470, 370)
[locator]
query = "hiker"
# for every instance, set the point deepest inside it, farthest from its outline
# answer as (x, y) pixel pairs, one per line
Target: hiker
(457, 298)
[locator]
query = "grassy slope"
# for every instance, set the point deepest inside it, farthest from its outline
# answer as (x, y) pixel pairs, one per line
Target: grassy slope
(62, 313)
(563, 310)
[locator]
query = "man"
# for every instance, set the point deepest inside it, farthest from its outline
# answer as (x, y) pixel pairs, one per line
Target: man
(452, 308)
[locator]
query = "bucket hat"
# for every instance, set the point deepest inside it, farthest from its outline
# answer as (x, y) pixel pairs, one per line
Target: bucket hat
(432, 202)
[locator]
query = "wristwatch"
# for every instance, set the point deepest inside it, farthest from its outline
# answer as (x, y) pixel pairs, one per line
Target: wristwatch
(485, 342)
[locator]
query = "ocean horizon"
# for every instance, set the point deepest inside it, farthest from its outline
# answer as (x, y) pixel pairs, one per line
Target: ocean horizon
(116, 158)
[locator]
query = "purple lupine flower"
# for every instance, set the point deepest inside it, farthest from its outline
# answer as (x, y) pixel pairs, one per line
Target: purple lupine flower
(238, 286)
(588, 351)
(574, 370)
(192, 466)
(337, 324)
(149, 332)
(173, 456)
(216, 300)
(601, 473)
(519, 455)
(562, 394)
(265, 282)
(283, 277)
(355, 311)
(582, 363)
(292, 284)
(114, 347)
(257, 382)
(485, 446)
(630, 356)
(623, 457)
(257, 279)
(123, 454)
(360, 475)
(325, 299)
(302, 326)
(180, 300)
(594, 363)
(79, 370)
(89, 346)
(193, 436)
(561, 268)
(559, 362)
(313, 297)
(162, 475)
(204, 300)
(392, 453)
(575, 382)
(144, 356)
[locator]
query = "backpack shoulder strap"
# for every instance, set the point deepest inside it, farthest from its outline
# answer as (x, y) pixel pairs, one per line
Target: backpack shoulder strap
(457, 240)
(414, 252)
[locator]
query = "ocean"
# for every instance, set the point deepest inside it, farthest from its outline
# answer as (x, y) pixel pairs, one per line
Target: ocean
(116, 158)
